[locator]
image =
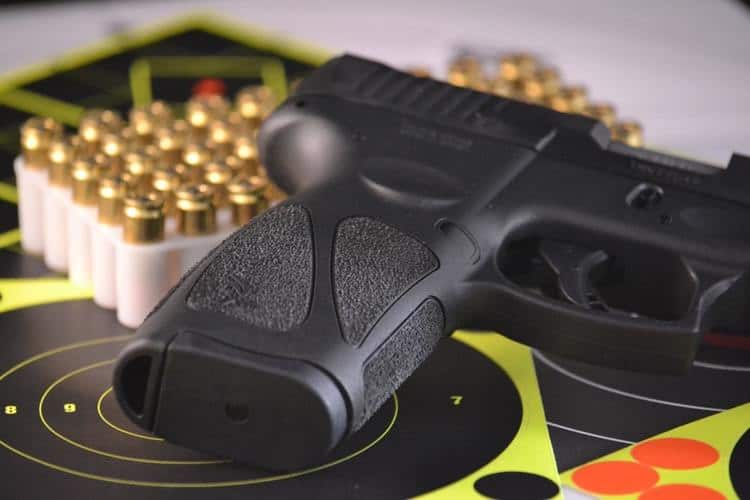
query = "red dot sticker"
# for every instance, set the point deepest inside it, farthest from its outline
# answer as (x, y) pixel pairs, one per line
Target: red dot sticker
(615, 477)
(209, 87)
(682, 492)
(675, 453)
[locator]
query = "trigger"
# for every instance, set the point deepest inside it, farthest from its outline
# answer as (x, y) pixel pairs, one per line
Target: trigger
(573, 265)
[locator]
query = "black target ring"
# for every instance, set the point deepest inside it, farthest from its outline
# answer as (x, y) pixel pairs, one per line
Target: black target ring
(155, 484)
(436, 442)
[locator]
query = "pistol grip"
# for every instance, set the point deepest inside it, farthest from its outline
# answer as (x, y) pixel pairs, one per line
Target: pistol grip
(287, 337)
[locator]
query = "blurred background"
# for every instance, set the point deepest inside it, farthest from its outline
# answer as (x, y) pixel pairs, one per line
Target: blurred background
(680, 67)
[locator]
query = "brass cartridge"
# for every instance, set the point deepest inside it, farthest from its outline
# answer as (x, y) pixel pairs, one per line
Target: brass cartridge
(141, 167)
(542, 83)
(514, 67)
(254, 103)
(111, 202)
(37, 134)
(61, 156)
(217, 175)
(143, 220)
(114, 147)
(603, 112)
(246, 152)
(196, 214)
(195, 156)
(244, 200)
(170, 143)
(165, 182)
(628, 132)
(85, 182)
(465, 71)
(571, 99)
(220, 137)
(94, 125)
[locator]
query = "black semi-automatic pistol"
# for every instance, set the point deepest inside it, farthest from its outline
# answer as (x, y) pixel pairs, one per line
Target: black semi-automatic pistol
(417, 209)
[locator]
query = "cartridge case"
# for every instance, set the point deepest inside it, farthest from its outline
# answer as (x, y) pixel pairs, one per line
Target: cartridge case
(31, 177)
(140, 165)
(144, 270)
(628, 132)
(195, 212)
(112, 192)
(254, 104)
(514, 67)
(61, 157)
(145, 120)
(111, 200)
(165, 183)
(170, 144)
(220, 138)
(143, 220)
(56, 201)
(114, 148)
(419, 71)
(217, 175)
(94, 125)
(84, 182)
(160, 111)
(201, 111)
(246, 154)
(243, 200)
(572, 99)
(81, 220)
(37, 134)
(195, 156)
(465, 71)
(542, 83)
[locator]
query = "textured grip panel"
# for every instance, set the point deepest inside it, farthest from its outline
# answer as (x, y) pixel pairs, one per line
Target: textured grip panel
(263, 274)
(401, 354)
(373, 264)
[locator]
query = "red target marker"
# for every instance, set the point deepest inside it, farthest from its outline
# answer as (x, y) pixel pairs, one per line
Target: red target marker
(675, 453)
(208, 87)
(616, 477)
(682, 492)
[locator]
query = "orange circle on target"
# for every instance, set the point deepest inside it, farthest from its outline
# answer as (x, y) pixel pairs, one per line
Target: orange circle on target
(615, 477)
(682, 492)
(675, 453)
